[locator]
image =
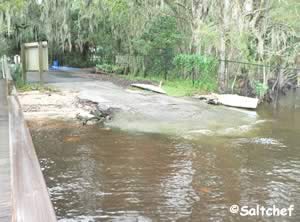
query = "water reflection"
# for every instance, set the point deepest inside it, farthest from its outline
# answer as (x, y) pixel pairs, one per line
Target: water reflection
(111, 175)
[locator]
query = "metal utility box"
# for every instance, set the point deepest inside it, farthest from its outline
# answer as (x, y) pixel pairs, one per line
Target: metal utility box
(32, 57)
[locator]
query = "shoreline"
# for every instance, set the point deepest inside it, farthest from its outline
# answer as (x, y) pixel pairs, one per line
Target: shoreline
(61, 105)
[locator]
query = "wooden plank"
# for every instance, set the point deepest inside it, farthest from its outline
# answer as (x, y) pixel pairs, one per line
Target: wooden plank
(149, 87)
(5, 170)
(31, 200)
(237, 101)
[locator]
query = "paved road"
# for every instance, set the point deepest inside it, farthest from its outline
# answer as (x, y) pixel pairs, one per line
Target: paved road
(150, 112)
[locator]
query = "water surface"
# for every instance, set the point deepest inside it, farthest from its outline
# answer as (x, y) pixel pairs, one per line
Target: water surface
(98, 174)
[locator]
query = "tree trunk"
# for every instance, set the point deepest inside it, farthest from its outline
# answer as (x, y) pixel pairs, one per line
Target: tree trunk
(297, 61)
(222, 67)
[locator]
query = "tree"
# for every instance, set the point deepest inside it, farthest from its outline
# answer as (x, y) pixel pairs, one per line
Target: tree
(151, 33)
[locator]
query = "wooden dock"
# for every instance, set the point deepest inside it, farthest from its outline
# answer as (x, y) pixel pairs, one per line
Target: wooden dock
(23, 192)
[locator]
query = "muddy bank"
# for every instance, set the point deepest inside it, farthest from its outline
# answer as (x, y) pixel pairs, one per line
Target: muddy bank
(64, 105)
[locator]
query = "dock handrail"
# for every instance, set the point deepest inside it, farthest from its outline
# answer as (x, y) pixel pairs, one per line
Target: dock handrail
(30, 200)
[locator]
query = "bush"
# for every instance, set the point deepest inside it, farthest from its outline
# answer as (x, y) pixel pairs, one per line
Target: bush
(107, 68)
(260, 89)
(16, 73)
(202, 70)
(76, 59)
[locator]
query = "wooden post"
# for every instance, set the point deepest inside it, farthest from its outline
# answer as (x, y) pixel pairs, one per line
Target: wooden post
(5, 68)
(297, 62)
(23, 61)
(2, 67)
(41, 67)
(226, 76)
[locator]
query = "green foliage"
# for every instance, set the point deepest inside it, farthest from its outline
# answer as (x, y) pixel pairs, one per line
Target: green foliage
(286, 12)
(188, 88)
(189, 62)
(260, 88)
(178, 87)
(107, 68)
(17, 77)
(201, 71)
(158, 44)
(150, 34)
(22, 86)
(35, 87)
(74, 59)
(5, 4)
(162, 33)
(203, 65)
(16, 73)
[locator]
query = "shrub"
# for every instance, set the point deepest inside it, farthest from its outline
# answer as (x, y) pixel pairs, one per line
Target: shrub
(202, 70)
(16, 73)
(260, 89)
(107, 68)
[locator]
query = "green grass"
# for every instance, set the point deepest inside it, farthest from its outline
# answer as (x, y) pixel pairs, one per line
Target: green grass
(25, 87)
(34, 87)
(155, 79)
(178, 87)
(181, 88)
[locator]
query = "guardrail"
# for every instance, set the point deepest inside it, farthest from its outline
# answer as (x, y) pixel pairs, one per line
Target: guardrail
(30, 201)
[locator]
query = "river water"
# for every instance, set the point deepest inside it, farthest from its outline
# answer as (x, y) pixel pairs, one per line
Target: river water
(102, 174)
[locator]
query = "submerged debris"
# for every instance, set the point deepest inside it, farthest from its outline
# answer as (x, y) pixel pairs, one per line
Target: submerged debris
(94, 113)
(209, 99)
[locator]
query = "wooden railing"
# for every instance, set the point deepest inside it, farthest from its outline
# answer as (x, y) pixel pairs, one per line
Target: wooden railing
(5, 169)
(30, 201)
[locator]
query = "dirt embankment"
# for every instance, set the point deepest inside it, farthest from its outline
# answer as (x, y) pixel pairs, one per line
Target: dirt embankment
(62, 105)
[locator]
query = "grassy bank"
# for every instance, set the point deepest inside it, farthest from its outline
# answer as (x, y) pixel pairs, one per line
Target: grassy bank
(25, 87)
(180, 87)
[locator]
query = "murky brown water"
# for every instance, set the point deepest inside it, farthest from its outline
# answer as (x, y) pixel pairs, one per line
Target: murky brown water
(95, 174)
